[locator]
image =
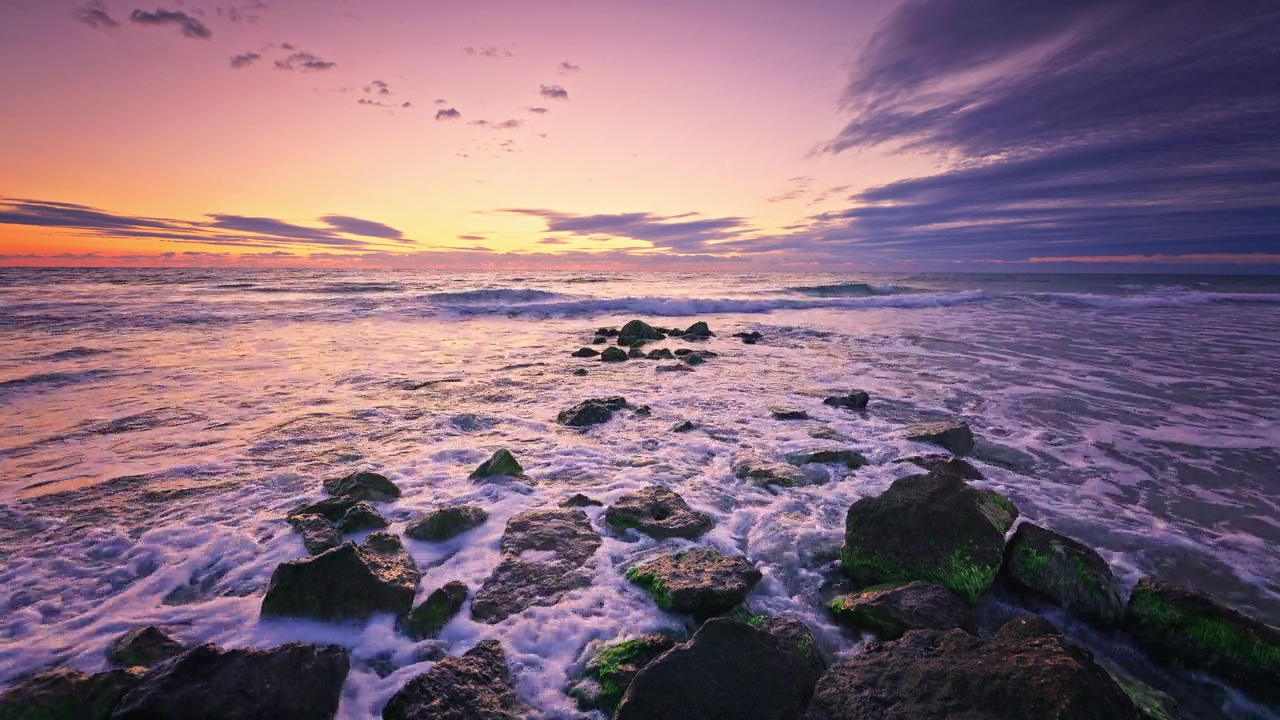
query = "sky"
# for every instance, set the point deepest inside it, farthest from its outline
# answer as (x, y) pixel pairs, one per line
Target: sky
(695, 134)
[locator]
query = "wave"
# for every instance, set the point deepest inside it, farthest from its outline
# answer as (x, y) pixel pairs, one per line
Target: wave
(845, 289)
(492, 295)
(1182, 298)
(675, 306)
(52, 379)
(79, 351)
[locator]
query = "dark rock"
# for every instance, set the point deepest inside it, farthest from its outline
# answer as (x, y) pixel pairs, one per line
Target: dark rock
(1191, 630)
(851, 459)
(446, 523)
(856, 400)
(331, 509)
(681, 352)
(675, 332)
(929, 527)
(558, 543)
(643, 411)
(318, 534)
(693, 359)
(1067, 572)
(1025, 671)
(607, 332)
(142, 647)
(635, 353)
(599, 340)
(728, 670)
(67, 695)
(361, 516)
(345, 583)
(684, 426)
(657, 512)
(954, 436)
(609, 674)
(1151, 703)
(638, 330)
(368, 486)
(580, 372)
(502, 464)
(674, 368)
(945, 465)
(698, 330)
(749, 338)
(591, 412)
(700, 582)
(579, 500)
(786, 414)
(797, 637)
(585, 352)
(613, 354)
(763, 473)
(206, 682)
(660, 354)
(432, 614)
(890, 611)
(473, 686)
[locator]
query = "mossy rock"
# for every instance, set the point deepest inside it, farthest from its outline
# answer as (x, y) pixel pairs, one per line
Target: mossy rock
(693, 359)
(1151, 703)
(660, 354)
(763, 473)
(502, 464)
(431, 615)
(890, 610)
(613, 354)
(608, 675)
(700, 582)
(591, 412)
(368, 486)
(657, 512)
(929, 527)
(446, 523)
(1070, 574)
(578, 500)
(1191, 630)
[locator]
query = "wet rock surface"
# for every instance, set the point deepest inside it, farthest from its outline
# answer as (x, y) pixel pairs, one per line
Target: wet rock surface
(797, 637)
(143, 647)
(944, 465)
(1070, 574)
(889, 612)
(763, 472)
(585, 352)
(432, 614)
(788, 414)
(954, 436)
(361, 516)
(856, 400)
(543, 554)
(318, 533)
(579, 500)
(613, 354)
(331, 509)
(657, 512)
(446, 523)
(638, 330)
(67, 694)
(591, 412)
(608, 675)
(367, 486)
(346, 583)
(700, 582)
(698, 331)
(851, 459)
(472, 686)
(501, 464)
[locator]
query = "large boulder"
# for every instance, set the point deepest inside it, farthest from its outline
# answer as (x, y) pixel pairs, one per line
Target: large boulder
(446, 523)
(1067, 572)
(591, 412)
(856, 400)
(368, 486)
(797, 637)
(209, 683)
(473, 686)
(637, 330)
(143, 647)
(657, 512)
(432, 614)
(67, 695)
(954, 436)
(700, 582)
(1025, 671)
(728, 670)
(1188, 629)
(501, 464)
(318, 532)
(608, 675)
(543, 554)
(890, 611)
(349, 582)
(929, 527)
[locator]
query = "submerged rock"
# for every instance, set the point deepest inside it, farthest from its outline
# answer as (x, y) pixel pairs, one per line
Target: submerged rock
(143, 647)
(543, 554)
(348, 582)
(661, 354)
(673, 368)
(851, 459)
(929, 527)
(1191, 630)
(613, 354)
(693, 358)
(609, 674)
(207, 682)
(1025, 671)
(856, 400)
(788, 414)
(637, 330)
(579, 500)
(580, 372)
(1067, 572)
(368, 486)
(893, 610)
(945, 465)
(585, 352)
(684, 426)
(700, 582)
(698, 331)
(657, 512)
(432, 614)
(361, 516)
(473, 686)
(502, 464)
(954, 436)
(331, 509)
(591, 412)
(318, 533)
(446, 523)
(727, 670)
(749, 338)
(68, 694)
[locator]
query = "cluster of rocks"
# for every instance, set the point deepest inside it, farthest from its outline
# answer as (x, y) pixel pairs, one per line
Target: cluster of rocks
(636, 334)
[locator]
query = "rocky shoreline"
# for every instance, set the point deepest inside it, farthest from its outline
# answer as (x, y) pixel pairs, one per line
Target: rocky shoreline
(917, 561)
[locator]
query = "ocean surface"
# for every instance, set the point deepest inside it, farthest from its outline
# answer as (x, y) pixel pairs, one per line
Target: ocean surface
(158, 424)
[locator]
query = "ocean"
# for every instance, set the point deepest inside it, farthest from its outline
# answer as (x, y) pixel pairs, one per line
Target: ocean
(157, 425)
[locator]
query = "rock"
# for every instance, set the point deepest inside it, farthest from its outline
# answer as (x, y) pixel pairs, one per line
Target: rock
(749, 338)
(728, 670)
(856, 400)
(1151, 703)
(1191, 630)
(945, 465)
(543, 554)
(585, 352)
(502, 464)
(599, 340)
(206, 682)
(684, 426)
(609, 674)
(643, 411)
(591, 412)
(361, 516)
(368, 486)
(788, 414)
(579, 500)
(432, 614)
(67, 695)
(700, 582)
(851, 459)
(797, 637)
(331, 509)
(763, 473)
(318, 534)
(698, 330)
(954, 436)
(890, 611)
(929, 527)
(446, 523)
(660, 354)
(349, 582)
(1070, 574)
(635, 353)
(142, 647)
(613, 354)
(474, 686)
(1025, 671)
(674, 368)
(607, 332)
(692, 358)
(580, 372)
(657, 512)
(638, 330)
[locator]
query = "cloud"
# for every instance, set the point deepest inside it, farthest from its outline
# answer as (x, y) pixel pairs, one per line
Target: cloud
(504, 125)
(95, 15)
(471, 237)
(366, 228)
(244, 60)
(567, 67)
(187, 25)
(247, 13)
(303, 61)
(377, 87)
(554, 92)
(538, 110)
(489, 51)
(448, 114)
(678, 233)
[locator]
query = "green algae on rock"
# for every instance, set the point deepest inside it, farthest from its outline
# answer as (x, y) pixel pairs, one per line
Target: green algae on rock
(1070, 574)
(503, 463)
(143, 647)
(891, 610)
(608, 675)
(657, 512)
(700, 582)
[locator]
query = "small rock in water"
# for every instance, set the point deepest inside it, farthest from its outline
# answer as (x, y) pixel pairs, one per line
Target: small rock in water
(954, 436)
(607, 332)
(764, 473)
(684, 426)
(693, 358)
(891, 611)
(643, 411)
(661, 354)
(64, 693)
(543, 557)
(613, 354)
(143, 647)
(700, 582)
(638, 330)
(698, 331)
(368, 486)
(599, 340)
(348, 582)
(1070, 574)
(502, 464)
(609, 674)
(318, 533)
(591, 412)
(635, 353)
(446, 523)
(432, 614)
(331, 509)
(856, 400)
(579, 500)
(945, 465)
(851, 459)
(674, 368)
(361, 516)
(657, 512)
(473, 686)
(787, 414)
(585, 352)
(580, 372)
(749, 338)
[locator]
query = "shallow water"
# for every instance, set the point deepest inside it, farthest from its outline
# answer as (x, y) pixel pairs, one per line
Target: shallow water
(159, 424)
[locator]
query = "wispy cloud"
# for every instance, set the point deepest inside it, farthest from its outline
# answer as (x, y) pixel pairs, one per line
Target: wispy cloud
(538, 110)
(95, 15)
(244, 60)
(448, 114)
(685, 233)
(247, 13)
(567, 67)
(489, 51)
(377, 87)
(187, 25)
(303, 62)
(553, 92)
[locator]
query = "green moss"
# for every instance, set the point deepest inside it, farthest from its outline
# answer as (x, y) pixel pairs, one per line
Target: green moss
(652, 585)
(958, 573)
(1221, 644)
